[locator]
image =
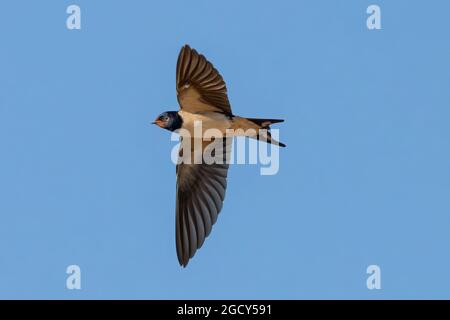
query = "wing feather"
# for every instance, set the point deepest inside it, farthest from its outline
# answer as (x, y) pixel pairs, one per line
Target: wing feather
(200, 87)
(200, 194)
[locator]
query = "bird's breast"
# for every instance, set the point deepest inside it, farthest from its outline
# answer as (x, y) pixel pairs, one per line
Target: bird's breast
(196, 124)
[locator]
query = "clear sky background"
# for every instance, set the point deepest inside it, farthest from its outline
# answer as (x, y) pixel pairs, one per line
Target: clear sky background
(365, 179)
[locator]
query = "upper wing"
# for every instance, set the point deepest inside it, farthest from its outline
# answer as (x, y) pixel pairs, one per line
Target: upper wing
(200, 195)
(200, 87)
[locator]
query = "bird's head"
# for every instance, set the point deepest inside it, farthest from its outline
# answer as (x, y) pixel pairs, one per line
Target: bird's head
(169, 120)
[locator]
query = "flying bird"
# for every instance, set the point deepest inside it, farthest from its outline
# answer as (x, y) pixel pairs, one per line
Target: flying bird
(200, 189)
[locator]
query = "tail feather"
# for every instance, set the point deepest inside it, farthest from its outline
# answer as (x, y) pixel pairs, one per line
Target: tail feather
(267, 137)
(256, 125)
(265, 134)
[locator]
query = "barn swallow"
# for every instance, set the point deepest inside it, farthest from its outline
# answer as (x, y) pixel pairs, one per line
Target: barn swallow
(200, 189)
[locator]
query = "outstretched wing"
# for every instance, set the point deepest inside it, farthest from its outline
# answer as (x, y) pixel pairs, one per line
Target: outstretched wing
(200, 87)
(200, 195)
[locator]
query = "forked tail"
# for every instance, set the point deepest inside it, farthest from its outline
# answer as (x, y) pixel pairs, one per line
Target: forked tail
(258, 124)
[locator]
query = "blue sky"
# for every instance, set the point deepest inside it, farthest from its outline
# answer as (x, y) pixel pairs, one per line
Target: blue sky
(365, 179)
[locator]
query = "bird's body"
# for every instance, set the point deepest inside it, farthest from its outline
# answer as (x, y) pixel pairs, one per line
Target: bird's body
(208, 120)
(201, 185)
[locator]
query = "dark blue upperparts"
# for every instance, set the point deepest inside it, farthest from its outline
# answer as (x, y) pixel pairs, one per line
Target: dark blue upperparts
(172, 120)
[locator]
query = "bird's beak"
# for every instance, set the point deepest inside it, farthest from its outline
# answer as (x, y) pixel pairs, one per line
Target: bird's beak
(159, 123)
